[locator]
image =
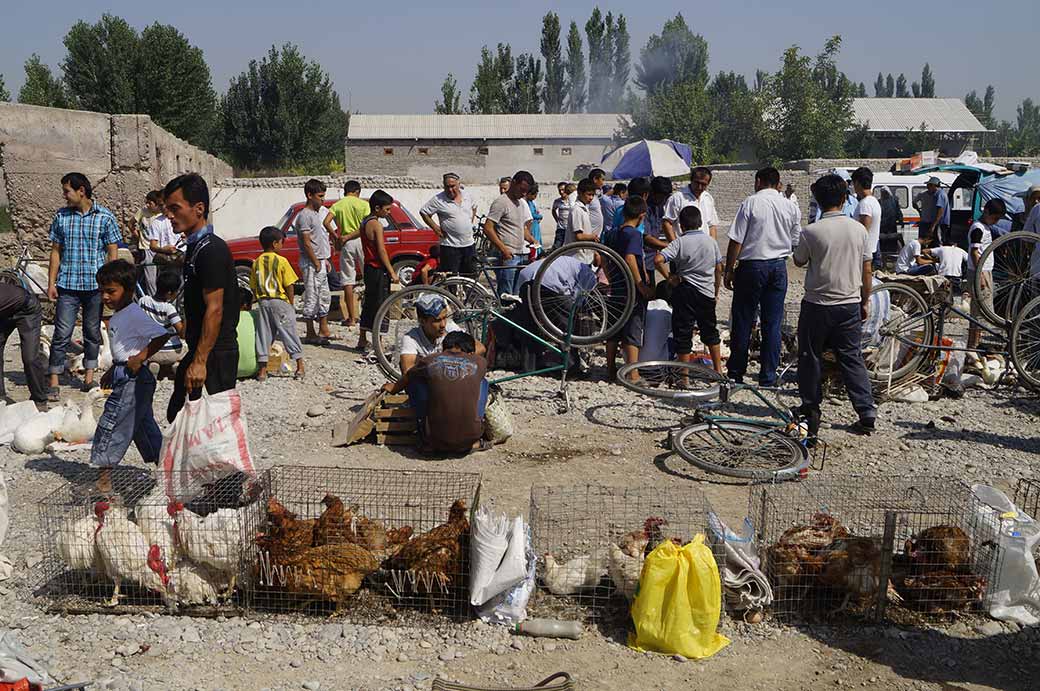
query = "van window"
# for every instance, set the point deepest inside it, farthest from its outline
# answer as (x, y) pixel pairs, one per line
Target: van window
(900, 192)
(915, 192)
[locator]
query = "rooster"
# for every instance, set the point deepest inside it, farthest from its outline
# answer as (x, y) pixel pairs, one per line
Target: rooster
(125, 553)
(214, 540)
(574, 575)
(334, 526)
(76, 546)
(435, 557)
(625, 561)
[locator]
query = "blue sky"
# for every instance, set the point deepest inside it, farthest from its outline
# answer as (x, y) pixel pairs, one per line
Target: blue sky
(392, 57)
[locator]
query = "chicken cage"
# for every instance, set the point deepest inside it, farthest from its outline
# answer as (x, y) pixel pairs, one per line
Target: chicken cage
(132, 549)
(1027, 497)
(371, 545)
(902, 550)
(591, 542)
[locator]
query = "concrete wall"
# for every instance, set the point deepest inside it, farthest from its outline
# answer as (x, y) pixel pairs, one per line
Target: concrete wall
(124, 156)
(429, 159)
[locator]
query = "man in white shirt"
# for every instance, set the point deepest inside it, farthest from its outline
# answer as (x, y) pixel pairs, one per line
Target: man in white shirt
(581, 227)
(694, 194)
(869, 210)
(597, 177)
(455, 213)
(912, 261)
(766, 227)
(951, 260)
(980, 237)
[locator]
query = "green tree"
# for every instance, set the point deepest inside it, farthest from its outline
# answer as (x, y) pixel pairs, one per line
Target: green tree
(927, 82)
(622, 57)
(41, 88)
(675, 56)
(733, 112)
(555, 90)
(1026, 137)
(5, 95)
(806, 109)
(174, 85)
(982, 108)
(683, 112)
(576, 94)
(879, 86)
(890, 86)
(859, 141)
(450, 97)
(523, 93)
(599, 61)
(901, 91)
(922, 139)
(487, 95)
(283, 112)
(862, 91)
(101, 66)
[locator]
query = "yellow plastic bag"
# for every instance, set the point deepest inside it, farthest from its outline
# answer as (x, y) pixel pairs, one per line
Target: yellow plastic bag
(679, 601)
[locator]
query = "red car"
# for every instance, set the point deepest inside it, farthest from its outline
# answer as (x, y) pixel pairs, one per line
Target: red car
(407, 242)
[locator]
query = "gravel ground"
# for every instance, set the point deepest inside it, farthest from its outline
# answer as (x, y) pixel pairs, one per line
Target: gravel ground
(610, 436)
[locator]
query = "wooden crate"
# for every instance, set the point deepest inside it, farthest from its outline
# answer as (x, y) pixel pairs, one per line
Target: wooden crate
(395, 422)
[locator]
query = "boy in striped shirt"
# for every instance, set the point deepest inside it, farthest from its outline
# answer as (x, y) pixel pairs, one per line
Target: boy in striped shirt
(164, 312)
(272, 280)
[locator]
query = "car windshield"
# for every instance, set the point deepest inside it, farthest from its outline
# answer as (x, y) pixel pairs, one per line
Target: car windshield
(284, 220)
(415, 222)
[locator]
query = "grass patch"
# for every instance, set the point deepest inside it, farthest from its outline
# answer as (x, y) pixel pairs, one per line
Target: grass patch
(6, 226)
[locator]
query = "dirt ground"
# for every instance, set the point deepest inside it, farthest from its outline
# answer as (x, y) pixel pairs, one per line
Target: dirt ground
(611, 437)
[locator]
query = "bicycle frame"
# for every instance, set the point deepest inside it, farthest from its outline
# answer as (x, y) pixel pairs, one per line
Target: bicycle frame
(940, 313)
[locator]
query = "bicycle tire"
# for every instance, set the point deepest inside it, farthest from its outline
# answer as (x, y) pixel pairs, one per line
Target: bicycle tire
(470, 292)
(885, 359)
(1015, 277)
(736, 448)
(1025, 344)
(606, 314)
(674, 381)
(402, 300)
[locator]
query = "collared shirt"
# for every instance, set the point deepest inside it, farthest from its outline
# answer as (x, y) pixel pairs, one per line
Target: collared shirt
(596, 214)
(935, 205)
(83, 238)
(767, 225)
(680, 199)
(161, 230)
(192, 238)
(609, 204)
(835, 248)
(849, 209)
(565, 276)
(581, 222)
(694, 256)
(455, 219)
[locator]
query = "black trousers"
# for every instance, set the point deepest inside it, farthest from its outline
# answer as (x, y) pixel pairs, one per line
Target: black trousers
(27, 319)
(458, 260)
(835, 327)
(221, 375)
(377, 289)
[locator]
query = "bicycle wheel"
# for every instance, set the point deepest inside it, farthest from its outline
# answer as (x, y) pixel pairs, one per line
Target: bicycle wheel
(1016, 276)
(741, 449)
(589, 310)
(397, 316)
(1025, 344)
(470, 293)
(898, 317)
(683, 381)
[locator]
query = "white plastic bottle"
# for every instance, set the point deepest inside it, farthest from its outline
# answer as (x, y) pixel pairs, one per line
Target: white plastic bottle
(550, 628)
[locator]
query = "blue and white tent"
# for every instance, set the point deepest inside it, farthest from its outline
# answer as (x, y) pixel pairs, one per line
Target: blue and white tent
(647, 158)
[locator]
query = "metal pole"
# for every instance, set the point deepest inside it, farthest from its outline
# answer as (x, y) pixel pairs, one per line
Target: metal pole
(887, 547)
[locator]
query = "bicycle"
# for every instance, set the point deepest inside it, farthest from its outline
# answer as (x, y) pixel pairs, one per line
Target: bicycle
(588, 315)
(21, 275)
(740, 447)
(1015, 275)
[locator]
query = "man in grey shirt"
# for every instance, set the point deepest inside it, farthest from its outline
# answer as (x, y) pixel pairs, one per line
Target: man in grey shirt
(507, 227)
(315, 251)
(837, 296)
(455, 212)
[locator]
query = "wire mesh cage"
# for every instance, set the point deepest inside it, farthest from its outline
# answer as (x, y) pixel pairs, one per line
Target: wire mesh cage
(591, 542)
(874, 548)
(1027, 497)
(369, 544)
(132, 549)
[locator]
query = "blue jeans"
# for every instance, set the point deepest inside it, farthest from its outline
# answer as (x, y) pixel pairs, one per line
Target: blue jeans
(68, 304)
(758, 286)
(507, 280)
(127, 417)
(921, 270)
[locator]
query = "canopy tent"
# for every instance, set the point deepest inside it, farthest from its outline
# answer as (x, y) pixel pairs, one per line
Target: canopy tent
(1011, 188)
(647, 158)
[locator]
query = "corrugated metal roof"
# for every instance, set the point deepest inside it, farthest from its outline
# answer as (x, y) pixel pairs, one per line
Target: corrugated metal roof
(902, 114)
(577, 126)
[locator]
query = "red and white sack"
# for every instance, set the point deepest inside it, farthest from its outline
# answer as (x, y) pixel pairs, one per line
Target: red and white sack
(206, 442)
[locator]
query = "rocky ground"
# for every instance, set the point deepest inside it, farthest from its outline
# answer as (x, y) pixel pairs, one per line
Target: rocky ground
(610, 436)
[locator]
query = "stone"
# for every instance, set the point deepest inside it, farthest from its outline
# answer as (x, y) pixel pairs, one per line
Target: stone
(191, 635)
(990, 628)
(312, 685)
(447, 655)
(517, 644)
(316, 410)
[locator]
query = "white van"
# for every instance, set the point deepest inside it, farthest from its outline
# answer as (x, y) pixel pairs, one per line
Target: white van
(906, 188)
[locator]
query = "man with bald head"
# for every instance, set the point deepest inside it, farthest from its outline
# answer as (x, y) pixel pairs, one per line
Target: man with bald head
(451, 214)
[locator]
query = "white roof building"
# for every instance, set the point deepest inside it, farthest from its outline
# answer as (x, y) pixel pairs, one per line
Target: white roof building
(897, 115)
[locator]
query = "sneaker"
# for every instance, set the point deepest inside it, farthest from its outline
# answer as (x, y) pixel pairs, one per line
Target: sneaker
(510, 298)
(87, 388)
(54, 394)
(864, 426)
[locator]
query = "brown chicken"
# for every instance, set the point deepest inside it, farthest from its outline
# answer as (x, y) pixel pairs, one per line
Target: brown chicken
(334, 572)
(286, 535)
(334, 523)
(640, 543)
(792, 566)
(944, 591)
(822, 530)
(943, 548)
(852, 565)
(434, 559)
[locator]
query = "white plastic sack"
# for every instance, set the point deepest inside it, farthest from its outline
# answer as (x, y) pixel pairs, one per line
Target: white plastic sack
(1016, 583)
(955, 367)
(744, 583)
(488, 542)
(14, 416)
(510, 608)
(16, 664)
(498, 421)
(207, 441)
(514, 565)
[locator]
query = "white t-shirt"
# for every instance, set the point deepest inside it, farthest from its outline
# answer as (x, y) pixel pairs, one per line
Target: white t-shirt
(680, 199)
(657, 327)
(951, 260)
(1032, 224)
(456, 220)
(907, 255)
(415, 342)
(596, 214)
(581, 222)
(130, 330)
(984, 242)
(870, 206)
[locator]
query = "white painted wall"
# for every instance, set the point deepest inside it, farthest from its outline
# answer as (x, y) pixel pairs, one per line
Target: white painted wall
(242, 211)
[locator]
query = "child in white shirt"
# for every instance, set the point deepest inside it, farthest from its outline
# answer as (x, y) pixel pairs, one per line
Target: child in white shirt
(134, 337)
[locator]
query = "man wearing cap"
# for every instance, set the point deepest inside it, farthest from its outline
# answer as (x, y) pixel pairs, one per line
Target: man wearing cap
(427, 337)
(934, 205)
(455, 213)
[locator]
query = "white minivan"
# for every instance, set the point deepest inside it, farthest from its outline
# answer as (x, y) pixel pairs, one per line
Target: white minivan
(906, 189)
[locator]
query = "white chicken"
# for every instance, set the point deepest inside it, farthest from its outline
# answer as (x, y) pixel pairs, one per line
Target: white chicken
(192, 584)
(78, 423)
(76, 546)
(568, 578)
(126, 554)
(214, 540)
(154, 519)
(624, 571)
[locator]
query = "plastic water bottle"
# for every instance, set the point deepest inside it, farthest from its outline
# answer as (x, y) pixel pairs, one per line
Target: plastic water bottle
(550, 628)
(1009, 523)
